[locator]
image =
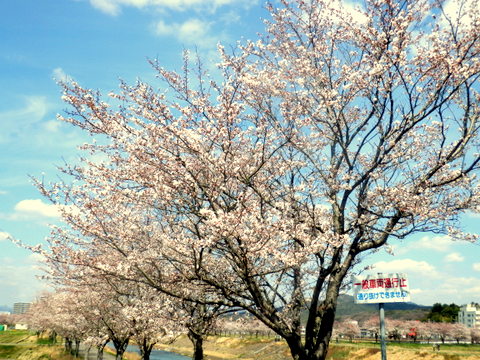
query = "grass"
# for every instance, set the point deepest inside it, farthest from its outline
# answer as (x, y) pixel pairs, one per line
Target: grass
(45, 341)
(365, 350)
(13, 336)
(231, 347)
(24, 345)
(9, 351)
(339, 352)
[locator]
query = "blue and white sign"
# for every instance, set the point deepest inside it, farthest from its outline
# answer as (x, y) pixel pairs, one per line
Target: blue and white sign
(381, 288)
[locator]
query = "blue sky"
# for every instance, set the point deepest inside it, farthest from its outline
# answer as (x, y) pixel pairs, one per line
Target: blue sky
(98, 42)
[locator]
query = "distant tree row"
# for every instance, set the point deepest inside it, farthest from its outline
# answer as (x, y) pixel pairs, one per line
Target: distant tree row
(408, 330)
(443, 313)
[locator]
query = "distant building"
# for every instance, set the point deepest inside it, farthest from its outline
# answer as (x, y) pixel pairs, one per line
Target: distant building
(21, 308)
(469, 315)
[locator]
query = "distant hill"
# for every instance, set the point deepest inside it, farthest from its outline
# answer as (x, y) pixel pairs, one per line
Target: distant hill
(346, 308)
(5, 308)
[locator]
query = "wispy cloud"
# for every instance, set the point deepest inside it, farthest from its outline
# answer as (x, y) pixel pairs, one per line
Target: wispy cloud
(191, 32)
(35, 208)
(406, 266)
(18, 279)
(59, 74)
(432, 243)
(476, 266)
(52, 126)
(17, 121)
(4, 235)
(114, 7)
(460, 289)
(460, 12)
(454, 257)
(32, 126)
(472, 214)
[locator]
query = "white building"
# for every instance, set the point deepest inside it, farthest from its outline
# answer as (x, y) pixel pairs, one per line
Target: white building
(21, 308)
(469, 315)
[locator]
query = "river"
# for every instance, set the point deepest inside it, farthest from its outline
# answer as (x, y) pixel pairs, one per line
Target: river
(159, 354)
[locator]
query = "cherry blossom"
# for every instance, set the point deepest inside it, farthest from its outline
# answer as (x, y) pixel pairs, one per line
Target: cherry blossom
(337, 132)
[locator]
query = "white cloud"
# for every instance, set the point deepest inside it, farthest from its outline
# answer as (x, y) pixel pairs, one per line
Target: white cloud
(433, 243)
(459, 289)
(191, 32)
(106, 6)
(35, 208)
(436, 243)
(461, 12)
(162, 29)
(52, 125)
(18, 280)
(36, 261)
(15, 121)
(114, 7)
(416, 291)
(35, 258)
(454, 257)
(28, 127)
(4, 235)
(406, 266)
(429, 285)
(230, 17)
(476, 266)
(59, 75)
(356, 12)
(475, 214)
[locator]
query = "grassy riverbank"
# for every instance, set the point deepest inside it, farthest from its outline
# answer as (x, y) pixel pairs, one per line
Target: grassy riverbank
(22, 345)
(226, 348)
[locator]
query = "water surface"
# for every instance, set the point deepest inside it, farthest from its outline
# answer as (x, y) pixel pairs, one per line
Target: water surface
(158, 354)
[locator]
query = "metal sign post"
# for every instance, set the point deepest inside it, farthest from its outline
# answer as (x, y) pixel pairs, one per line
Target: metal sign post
(383, 343)
(380, 289)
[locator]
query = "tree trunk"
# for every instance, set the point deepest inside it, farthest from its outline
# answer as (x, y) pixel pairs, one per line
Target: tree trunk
(53, 337)
(76, 350)
(120, 347)
(146, 350)
(68, 345)
(100, 351)
(319, 327)
(197, 341)
(87, 352)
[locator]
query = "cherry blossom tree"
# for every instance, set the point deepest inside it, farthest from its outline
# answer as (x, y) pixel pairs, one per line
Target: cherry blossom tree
(60, 312)
(241, 324)
(348, 328)
(443, 330)
(150, 316)
(40, 315)
(91, 255)
(417, 330)
(373, 326)
(7, 319)
(460, 332)
(475, 335)
(266, 188)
